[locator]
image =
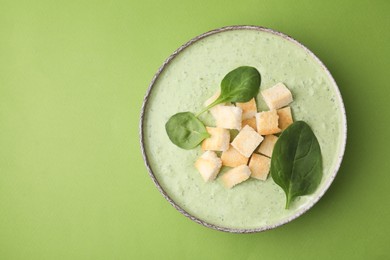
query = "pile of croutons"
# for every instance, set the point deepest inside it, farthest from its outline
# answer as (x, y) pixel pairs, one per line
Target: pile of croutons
(249, 154)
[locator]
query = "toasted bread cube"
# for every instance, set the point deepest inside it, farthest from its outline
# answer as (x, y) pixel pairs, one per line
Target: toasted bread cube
(259, 166)
(249, 109)
(247, 141)
(212, 98)
(267, 146)
(232, 158)
(285, 117)
(278, 96)
(218, 141)
(267, 122)
(235, 176)
(251, 122)
(214, 110)
(228, 117)
(208, 165)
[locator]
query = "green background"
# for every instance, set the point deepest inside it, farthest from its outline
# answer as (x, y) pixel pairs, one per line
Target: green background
(73, 184)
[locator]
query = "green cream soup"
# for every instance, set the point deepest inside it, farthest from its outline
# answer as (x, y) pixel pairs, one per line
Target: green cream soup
(194, 75)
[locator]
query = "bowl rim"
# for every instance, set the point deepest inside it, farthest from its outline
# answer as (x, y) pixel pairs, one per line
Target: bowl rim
(302, 210)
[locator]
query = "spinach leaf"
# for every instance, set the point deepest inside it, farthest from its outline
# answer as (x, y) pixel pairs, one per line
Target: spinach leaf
(185, 130)
(296, 163)
(239, 85)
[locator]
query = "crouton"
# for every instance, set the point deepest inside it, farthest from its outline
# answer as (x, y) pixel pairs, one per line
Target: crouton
(267, 146)
(249, 109)
(218, 141)
(285, 117)
(208, 165)
(228, 117)
(236, 176)
(232, 158)
(259, 166)
(277, 96)
(267, 122)
(247, 141)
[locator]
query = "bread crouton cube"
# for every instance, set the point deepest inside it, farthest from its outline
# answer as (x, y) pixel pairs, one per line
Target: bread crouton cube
(208, 165)
(277, 96)
(259, 166)
(249, 109)
(251, 122)
(218, 141)
(267, 122)
(228, 117)
(247, 141)
(232, 158)
(267, 146)
(285, 117)
(236, 176)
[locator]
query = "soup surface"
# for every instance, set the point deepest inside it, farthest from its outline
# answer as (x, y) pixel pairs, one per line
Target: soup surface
(193, 76)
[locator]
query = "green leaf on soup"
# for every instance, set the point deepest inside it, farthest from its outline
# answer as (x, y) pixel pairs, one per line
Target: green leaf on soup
(296, 163)
(239, 85)
(185, 130)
